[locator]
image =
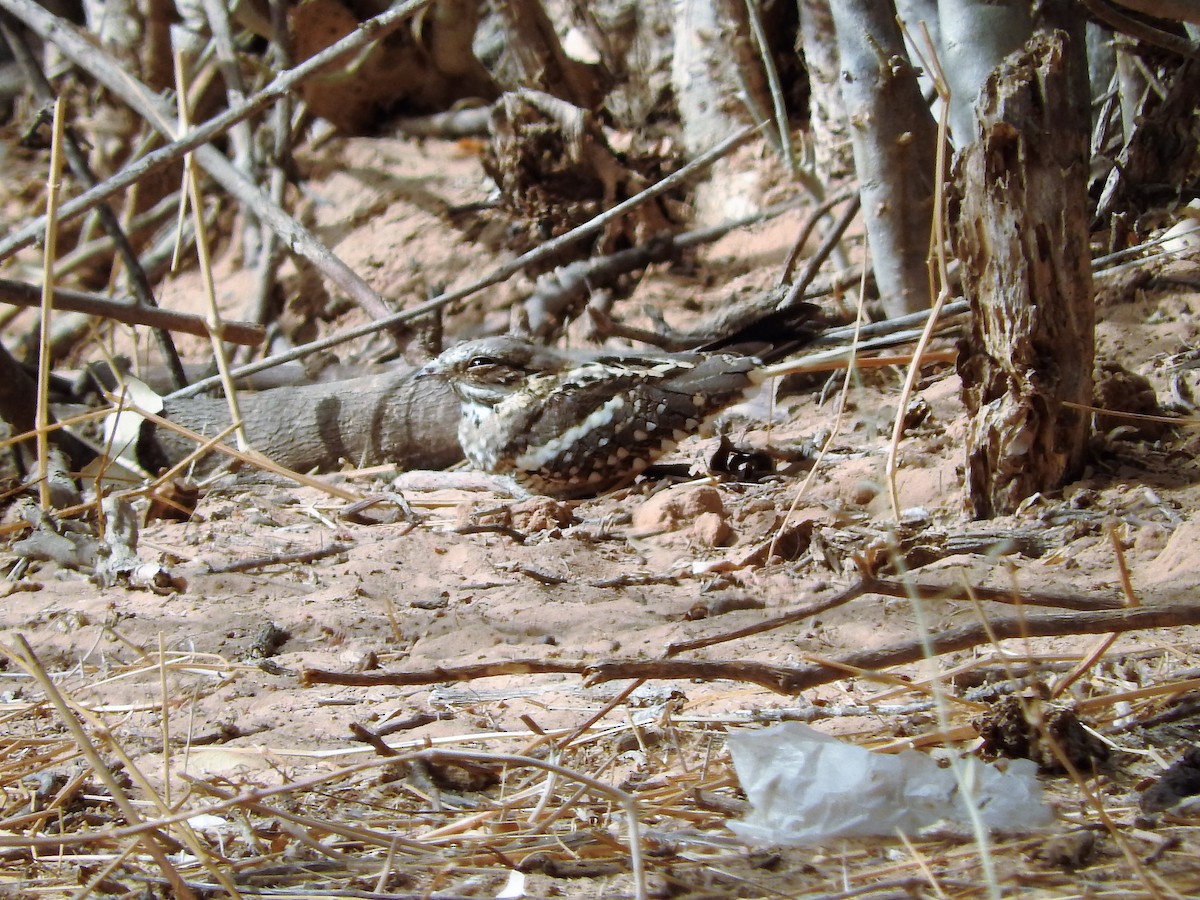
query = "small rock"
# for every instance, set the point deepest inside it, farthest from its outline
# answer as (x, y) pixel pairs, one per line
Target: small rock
(676, 509)
(541, 514)
(864, 492)
(1071, 851)
(711, 530)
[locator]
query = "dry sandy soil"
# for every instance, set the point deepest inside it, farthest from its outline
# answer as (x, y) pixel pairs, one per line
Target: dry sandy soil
(616, 578)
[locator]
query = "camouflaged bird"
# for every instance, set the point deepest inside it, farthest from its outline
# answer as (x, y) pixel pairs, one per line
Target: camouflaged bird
(572, 425)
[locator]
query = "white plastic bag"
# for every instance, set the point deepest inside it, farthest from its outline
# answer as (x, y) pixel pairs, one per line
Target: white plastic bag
(807, 787)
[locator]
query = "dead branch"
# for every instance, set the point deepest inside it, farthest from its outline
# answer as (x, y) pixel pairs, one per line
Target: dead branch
(1112, 16)
(131, 313)
(915, 590)
(77, 159)
(387, 418)
(539, 254)
(796, 291)
(1097, 621)
(159, 114)
(449, 125)
(309, 677)
(791, 680)
(797, 615)
(371, 30)
(810, 225)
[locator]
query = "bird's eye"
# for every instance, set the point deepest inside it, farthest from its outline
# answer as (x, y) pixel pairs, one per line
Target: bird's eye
(482, 362)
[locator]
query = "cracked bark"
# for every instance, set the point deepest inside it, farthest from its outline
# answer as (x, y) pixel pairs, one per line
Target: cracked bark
(1019, 215)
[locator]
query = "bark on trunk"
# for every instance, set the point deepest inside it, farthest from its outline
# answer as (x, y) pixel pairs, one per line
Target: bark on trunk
(540, 61)
(976, 35)
(705, 73)
(895, 140)
(388, 418)
(827, 115)
(1019, 213)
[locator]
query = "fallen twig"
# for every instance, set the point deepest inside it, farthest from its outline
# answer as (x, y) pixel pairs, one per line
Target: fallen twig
(105, 69)
(20, 294)
(279, 559)
(1088, 616)
(500, 273)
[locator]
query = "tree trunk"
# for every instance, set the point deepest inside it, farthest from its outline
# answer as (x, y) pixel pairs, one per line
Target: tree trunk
(826, 113)
(1020, 221)
(895, 141)
(705, 73)
(976, 35)
(540, 61)
(916, 15)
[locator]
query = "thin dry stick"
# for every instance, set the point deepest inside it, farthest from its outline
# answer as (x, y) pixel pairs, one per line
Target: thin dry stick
(42, 415)
(922, 863)
(371, 30)
(164, 719)
(77, 159)
(1111, 14)
(600, 714)
(796, 291)
(501, 273)
(54, 426)
(180, 466)
(204, 443)
(216, 329)
(1190, 421)
(969, 796)
(900, 684)
(791, 680)
(835, 430)
(1093, 656)
(20, 294)
(938, 246)
(1097, 803)
(278, 158)
(798, 615)
(92, 887)
(24, 656)
(627, 801)
(252, 457)
(67, 710)
(763, 45)
(105, 69)
(814, 217)
(901, 590)
(228, 801)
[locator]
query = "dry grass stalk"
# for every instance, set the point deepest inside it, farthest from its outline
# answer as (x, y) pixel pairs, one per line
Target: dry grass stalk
(50, 251)
(194, 198)
(533, 819)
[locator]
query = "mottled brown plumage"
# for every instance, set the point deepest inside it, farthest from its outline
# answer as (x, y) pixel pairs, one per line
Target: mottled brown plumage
(571, 425)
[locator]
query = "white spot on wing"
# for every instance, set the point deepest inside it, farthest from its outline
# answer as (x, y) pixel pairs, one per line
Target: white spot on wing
(537, 457)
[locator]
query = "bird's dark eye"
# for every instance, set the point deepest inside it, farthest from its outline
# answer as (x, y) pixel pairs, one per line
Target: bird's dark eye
(482, 362)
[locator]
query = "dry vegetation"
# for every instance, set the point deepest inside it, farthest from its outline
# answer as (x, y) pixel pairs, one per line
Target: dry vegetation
(453, 694)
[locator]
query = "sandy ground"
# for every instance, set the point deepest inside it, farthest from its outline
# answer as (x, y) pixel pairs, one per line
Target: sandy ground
(622, 576)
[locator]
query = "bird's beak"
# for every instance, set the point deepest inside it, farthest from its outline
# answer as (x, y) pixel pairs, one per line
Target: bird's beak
(430, 369)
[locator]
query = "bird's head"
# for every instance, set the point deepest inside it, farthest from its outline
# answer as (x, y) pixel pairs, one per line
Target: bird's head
(488, 370)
